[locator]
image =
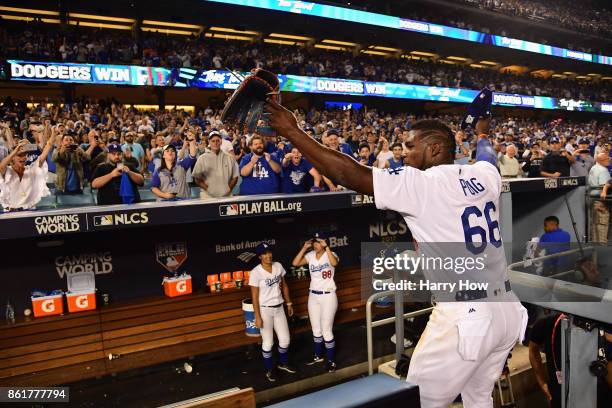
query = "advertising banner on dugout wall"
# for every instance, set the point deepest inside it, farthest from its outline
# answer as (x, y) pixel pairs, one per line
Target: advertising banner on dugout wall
(134, 266)
(219, 79)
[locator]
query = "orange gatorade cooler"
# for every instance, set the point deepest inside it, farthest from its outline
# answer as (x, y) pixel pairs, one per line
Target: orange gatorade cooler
(81, 295)
(177, 286)
(48, 305)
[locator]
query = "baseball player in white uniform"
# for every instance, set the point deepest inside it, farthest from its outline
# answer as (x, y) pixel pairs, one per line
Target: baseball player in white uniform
(465, 344)
(322, 299)
(269, 291)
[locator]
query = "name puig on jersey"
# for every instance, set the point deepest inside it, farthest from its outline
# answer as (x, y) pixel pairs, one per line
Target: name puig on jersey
(472, 186)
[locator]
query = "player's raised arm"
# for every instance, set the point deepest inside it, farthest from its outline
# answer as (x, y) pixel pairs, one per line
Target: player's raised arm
(484, 148)
(344, 170)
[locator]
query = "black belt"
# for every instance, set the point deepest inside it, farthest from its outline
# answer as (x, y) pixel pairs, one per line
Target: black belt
(319, 292)
(467, 295)
(279, 305)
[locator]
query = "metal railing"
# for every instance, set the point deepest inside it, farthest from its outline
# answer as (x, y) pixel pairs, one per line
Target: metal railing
(399, 337)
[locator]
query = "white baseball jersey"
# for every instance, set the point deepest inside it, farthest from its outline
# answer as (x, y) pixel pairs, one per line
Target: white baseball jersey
(448, 204)
(269, 284)
(321, 272)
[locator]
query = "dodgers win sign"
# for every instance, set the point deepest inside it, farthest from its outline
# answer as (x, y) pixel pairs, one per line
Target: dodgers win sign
(89, 73)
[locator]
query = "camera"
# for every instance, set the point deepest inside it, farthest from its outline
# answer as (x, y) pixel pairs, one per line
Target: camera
(73, 146)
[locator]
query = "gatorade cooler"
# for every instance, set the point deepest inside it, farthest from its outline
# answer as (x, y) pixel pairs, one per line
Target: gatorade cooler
(249, 318)
(48, 305)
(178, 286)
(81, 295)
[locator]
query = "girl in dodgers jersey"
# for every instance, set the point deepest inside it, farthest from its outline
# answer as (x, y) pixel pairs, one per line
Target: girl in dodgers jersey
(322, 299)
(269, 291)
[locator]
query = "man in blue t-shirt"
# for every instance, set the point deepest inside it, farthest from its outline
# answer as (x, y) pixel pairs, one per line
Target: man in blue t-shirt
(295, 173)
(259, 170)
(553, 241)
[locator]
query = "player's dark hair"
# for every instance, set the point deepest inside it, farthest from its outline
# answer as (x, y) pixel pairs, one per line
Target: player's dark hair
(361, 146)
(438, 130)
(552, 218)
(396, 144)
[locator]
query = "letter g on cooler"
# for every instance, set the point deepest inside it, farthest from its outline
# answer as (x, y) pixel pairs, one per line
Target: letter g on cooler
(181, 286)
(48, 306)
(82, 302)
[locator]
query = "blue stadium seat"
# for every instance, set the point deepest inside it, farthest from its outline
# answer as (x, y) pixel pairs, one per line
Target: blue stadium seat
(378, 390)
(47, 202)
(146, 194)
(70, 200)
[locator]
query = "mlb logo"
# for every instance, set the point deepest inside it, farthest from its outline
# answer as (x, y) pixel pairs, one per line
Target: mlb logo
(103, 220)
(228, 210)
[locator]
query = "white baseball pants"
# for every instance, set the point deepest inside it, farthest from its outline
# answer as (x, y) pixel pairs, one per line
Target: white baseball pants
(274, 320)
(321, 311)
(463, 350)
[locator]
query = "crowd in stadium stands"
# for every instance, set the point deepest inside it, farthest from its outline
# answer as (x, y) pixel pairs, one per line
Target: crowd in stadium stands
(578, 16)
(129, 155)
(173, 51)
(587, 19)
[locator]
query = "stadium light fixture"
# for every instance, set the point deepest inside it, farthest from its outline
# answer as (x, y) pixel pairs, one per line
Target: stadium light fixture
(379, 48)
(423, 54)
(492, 63)
(373, 52)
(444, 61)
(480, 66)
(569, 73)
(168, 24)
(606, 78)
(162, 30)
(102, 18)
(592, 74)
(281, 42)
(584, 77)
(28, 19)
(453, 58)
(558, 76)
(330, 47)
(29, 11)
(290, 37)
(228, 37)
(343, 43)
(99, 25)
(231, 30)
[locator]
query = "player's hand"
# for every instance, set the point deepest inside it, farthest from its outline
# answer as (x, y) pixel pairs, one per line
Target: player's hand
(169, 195)
(322, 242)
(483, 126)
(556, 174)
(254, 158)
(288, 156)
(307, 244)
(546, 392)
(258, 322)
(602, 195)
(282, 120)
(267, 156)
(290, 310)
